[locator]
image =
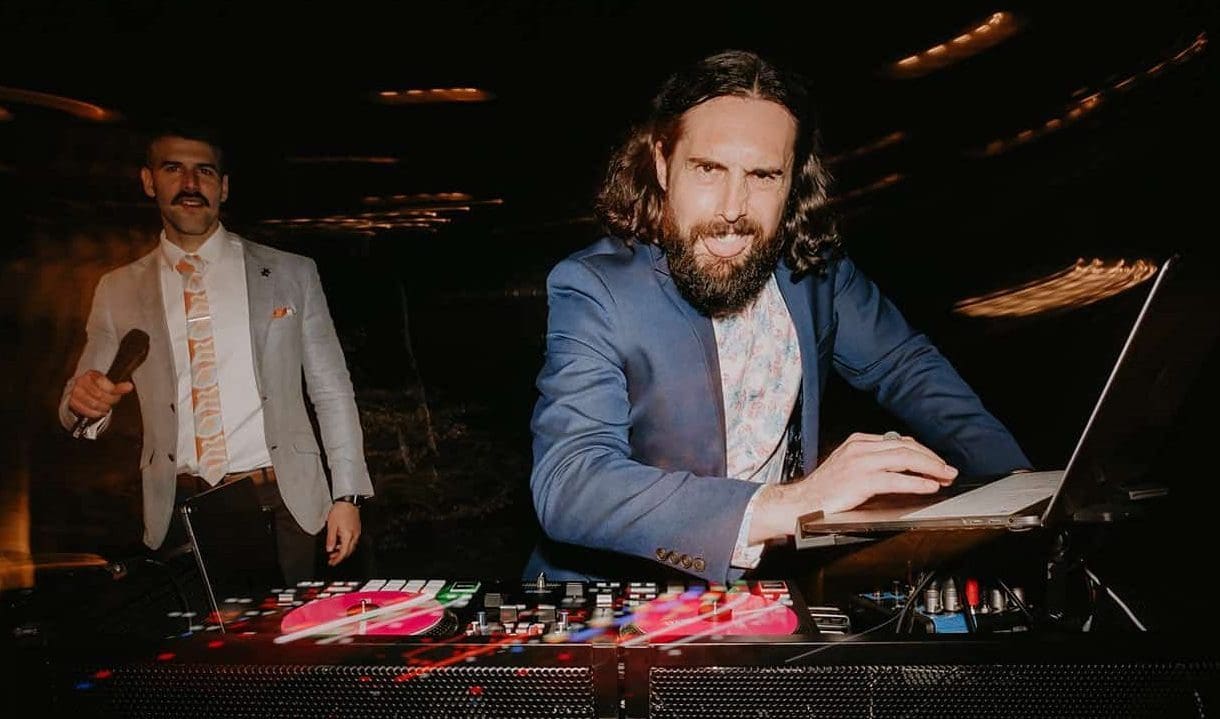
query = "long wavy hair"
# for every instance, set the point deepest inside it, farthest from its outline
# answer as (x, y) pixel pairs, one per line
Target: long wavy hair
(630, 201)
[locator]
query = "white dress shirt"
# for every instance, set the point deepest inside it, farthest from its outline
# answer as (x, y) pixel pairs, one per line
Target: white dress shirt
(224, 280)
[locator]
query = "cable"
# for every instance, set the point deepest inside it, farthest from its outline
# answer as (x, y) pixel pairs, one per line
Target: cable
(908, 607)
(847, 639)
(1017, 601)
(1122, 605)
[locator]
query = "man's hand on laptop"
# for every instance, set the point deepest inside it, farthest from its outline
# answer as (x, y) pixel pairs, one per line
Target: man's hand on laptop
(862, 467)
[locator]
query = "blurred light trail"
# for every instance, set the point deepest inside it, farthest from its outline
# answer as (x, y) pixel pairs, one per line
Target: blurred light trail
(1083, 283)
(995, 29)
(78, 108)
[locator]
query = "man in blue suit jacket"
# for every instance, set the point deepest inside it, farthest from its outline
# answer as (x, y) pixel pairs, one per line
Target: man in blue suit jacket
(687, 354)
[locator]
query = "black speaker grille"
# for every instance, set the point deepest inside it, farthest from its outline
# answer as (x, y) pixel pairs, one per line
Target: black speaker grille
(938, 691)
(266, 691)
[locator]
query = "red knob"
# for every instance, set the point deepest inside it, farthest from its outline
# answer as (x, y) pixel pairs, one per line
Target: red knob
(972, 592)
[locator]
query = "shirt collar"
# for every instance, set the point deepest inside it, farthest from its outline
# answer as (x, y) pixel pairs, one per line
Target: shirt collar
(212, 250)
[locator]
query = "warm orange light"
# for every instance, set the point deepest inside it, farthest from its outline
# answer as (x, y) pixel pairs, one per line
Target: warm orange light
(1081, 284)
(424, 212)
(998, 27)
(5, 115)
(418, 198)
(891, 179)
(1090, 101)
(78, 108)
(890, 139)
(434, 95)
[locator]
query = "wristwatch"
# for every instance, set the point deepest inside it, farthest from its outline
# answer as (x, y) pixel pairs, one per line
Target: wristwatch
(353, 499)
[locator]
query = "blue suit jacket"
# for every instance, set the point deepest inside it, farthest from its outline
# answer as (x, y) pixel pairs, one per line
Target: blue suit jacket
(629, 428)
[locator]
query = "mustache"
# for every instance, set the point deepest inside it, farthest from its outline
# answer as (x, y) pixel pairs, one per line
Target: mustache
(178, 198)
(718, 228)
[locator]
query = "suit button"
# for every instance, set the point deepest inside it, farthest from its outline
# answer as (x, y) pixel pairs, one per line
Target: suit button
(662, 554)
(171, 458)
(274, 447)
(686, 562)
(699, 564)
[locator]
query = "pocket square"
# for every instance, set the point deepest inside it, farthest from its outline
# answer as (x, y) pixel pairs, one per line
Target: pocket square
(280, 312)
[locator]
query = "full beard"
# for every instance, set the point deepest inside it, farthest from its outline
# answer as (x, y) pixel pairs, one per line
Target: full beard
(718, 287)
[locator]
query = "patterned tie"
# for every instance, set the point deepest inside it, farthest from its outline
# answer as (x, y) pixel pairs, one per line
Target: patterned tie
(205, 392)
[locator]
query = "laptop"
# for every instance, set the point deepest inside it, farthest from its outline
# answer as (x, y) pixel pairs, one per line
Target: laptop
(1163, 352)
(233, 540)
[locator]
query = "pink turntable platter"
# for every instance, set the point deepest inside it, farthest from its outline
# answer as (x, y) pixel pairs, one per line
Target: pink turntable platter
(389, 613)
(710, 614)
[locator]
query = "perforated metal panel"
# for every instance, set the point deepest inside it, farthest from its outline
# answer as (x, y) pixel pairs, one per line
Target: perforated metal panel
(939, 691)
(292, 691)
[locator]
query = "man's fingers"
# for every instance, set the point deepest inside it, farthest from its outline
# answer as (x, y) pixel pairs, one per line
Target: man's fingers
(342, 549)
(82, 408)
(890, 440)
(906, 459)
(896, 483)
(910, 443)
(89, 404)
(96, 394)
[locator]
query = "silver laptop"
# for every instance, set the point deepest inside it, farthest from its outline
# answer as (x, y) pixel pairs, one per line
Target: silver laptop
(1168, 343)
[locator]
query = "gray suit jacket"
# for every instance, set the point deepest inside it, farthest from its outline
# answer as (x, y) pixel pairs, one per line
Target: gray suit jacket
(303, 340)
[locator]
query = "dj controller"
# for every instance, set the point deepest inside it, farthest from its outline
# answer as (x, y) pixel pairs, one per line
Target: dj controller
(538, 610)
(634, 649)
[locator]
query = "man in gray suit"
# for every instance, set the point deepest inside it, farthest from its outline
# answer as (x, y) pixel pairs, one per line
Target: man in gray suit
(232, 326)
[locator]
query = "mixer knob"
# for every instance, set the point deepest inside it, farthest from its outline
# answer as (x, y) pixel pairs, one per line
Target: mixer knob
(949, 597)
(931, 600)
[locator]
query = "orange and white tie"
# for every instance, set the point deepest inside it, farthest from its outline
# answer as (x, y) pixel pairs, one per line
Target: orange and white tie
(205, 390)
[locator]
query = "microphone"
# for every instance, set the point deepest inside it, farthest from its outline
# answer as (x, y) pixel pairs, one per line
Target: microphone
(132, 351)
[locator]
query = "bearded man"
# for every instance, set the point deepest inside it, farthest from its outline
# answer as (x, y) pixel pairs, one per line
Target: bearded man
(687, 352)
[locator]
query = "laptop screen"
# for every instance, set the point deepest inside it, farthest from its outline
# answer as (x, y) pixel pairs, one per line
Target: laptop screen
(1167, 345)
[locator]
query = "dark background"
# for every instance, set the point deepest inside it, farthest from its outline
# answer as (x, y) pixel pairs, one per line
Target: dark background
(443, 329)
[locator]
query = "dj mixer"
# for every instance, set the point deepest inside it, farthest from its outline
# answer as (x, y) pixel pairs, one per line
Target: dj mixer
(441, 648)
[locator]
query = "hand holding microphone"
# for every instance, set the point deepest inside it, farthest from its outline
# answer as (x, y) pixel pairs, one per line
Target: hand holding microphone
(94, 394)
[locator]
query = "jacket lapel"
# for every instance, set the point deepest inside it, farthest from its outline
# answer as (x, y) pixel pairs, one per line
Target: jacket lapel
(705, 334)
(260, 293)
(152, 309)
